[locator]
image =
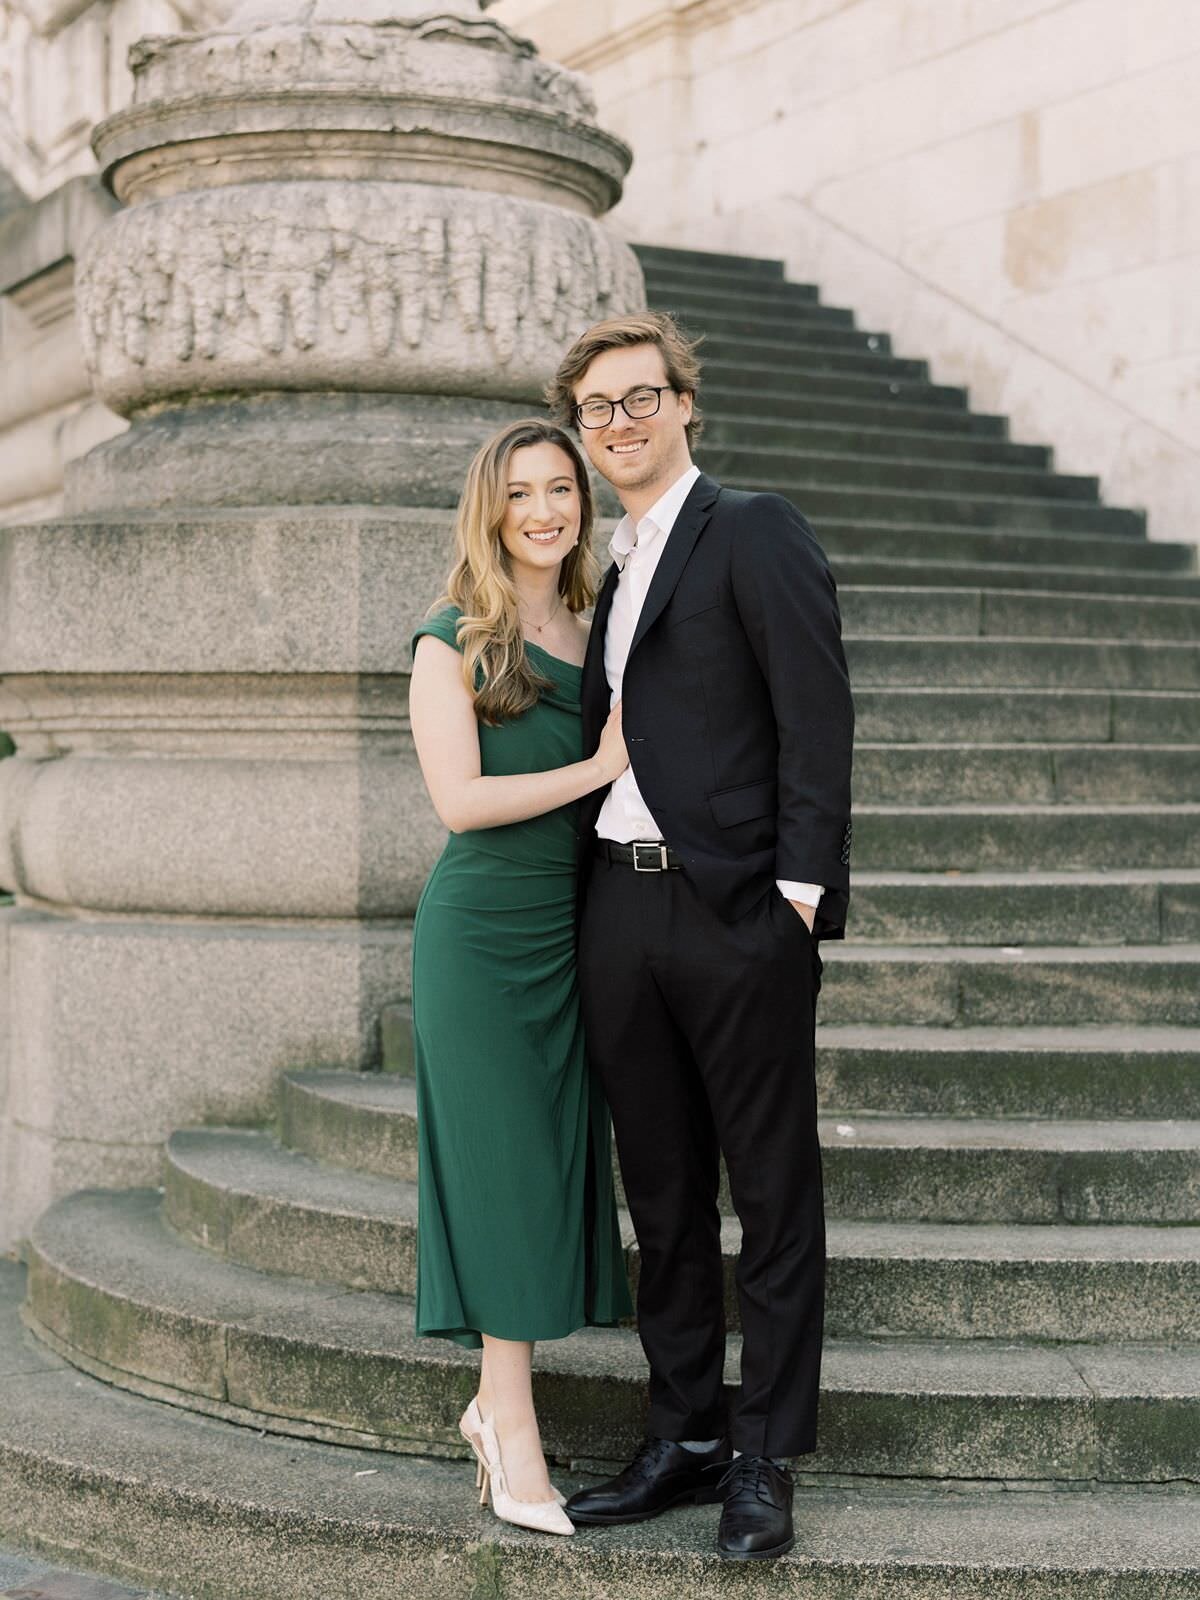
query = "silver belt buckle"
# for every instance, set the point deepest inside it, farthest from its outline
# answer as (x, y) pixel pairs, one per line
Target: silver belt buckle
(660, 865)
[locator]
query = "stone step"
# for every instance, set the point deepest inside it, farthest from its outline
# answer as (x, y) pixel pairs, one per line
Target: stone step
(1023, 663)
(693, 305)
(833, 437)
(918, 474)
(1018, 838)
(113, 1290)
(820, 500)
(1019, 716)
(760, 325)
(917, 1195)
(1095, 1071)
(1082, 1072)
(780, 361)
(700, 279)
(786, 329)
(929, 612)
(865, 570)
(946, 415)
(877, 1167)
(758, 388)
(937, 408)
(843, 537)
(148, 1491)
(1013, 774)
(1028, 908)
(655, 257)
(1044, 986)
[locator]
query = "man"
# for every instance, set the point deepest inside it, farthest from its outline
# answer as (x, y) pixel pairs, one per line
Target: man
(708, 871)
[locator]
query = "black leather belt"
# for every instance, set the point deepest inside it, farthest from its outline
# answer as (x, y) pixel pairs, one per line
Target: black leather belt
(643, 855)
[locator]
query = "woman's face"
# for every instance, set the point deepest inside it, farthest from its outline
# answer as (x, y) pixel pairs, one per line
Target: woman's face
(542, 517)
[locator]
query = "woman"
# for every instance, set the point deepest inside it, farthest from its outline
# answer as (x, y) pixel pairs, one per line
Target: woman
(517, 1233)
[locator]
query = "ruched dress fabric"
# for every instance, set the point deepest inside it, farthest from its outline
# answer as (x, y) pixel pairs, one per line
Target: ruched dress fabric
(517, 1232)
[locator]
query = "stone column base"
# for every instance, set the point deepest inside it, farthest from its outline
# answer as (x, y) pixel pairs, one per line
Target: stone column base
(180, 1022)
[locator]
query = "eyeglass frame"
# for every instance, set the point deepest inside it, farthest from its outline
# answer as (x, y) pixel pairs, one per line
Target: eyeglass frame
(658, 389)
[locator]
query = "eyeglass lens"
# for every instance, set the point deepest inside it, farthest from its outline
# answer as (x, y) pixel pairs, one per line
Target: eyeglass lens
(637, 404)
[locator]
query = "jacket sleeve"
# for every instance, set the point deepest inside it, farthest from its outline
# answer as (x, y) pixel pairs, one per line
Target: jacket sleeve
(787, 601)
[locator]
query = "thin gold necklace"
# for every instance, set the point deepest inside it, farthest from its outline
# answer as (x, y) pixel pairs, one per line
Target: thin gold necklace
(539, 626)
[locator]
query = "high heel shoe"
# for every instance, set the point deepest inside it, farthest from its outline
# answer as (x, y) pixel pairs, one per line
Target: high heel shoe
(545, 1516)
(470, 1424)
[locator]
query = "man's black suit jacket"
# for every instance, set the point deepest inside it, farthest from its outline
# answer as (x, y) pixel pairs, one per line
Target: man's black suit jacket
(736, 704)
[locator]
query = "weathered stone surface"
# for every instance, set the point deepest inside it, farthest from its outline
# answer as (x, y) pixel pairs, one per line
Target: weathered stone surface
(402, 205)
(108, 1282)
(360, 285)
(150, 1491)
(190, 1022)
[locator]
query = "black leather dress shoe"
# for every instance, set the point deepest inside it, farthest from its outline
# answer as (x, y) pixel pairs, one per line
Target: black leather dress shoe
(756, 1519)
(661, 1475)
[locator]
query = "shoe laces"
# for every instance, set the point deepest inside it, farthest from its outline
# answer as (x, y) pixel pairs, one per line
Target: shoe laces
(647, 1458)
(749, 1475)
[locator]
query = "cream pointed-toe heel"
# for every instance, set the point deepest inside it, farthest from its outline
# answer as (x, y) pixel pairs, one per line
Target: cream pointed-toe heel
(543, 1516)
(471, 1425)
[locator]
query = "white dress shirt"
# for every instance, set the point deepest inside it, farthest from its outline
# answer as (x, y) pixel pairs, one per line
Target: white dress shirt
(636, 549)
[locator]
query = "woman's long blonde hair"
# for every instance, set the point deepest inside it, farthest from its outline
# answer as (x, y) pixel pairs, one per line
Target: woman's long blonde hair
(495, 667)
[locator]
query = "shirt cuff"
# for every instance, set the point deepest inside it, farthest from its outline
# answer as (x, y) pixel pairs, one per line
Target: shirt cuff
(808, 894)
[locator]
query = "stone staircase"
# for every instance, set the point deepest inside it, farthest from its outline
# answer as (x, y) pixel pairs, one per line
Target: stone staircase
(1009, 1061)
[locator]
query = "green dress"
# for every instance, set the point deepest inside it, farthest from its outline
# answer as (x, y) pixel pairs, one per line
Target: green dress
(517, 1231)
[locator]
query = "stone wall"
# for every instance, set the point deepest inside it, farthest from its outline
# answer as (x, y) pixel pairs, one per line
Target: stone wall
(63, 68)
(1011, 187)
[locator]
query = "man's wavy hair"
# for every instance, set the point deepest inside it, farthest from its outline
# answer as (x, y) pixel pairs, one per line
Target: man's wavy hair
(495, 667)
(658, 328)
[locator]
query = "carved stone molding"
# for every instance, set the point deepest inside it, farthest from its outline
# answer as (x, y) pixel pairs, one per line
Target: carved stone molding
(402, 203)
(362, 286)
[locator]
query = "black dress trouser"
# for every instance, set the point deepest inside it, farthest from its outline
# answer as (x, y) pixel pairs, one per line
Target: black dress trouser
(702, 1032)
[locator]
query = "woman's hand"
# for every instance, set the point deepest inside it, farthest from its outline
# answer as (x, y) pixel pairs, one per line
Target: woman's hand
(611, 753)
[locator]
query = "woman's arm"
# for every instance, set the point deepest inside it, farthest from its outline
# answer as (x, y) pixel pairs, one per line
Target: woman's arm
(446, 735)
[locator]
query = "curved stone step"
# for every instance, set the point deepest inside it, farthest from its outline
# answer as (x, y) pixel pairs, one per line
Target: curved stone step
(243, 1196)
(1022, 663)
(925, 1167)
(1152, 906)
(147, 1491)
(1016, 716)
(1011, 987)
(115, 1292)
(1055, 838)
(955, 773)
(1083, 1073)
(931, 611)
(1080, 1072)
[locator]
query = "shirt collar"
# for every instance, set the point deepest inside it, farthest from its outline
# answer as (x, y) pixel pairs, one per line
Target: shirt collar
(660, 519)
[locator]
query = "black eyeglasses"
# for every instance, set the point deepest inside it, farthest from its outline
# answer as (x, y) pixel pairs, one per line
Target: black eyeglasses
(638, 403)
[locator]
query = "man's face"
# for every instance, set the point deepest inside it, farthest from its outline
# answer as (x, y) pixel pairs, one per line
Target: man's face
(635, 454)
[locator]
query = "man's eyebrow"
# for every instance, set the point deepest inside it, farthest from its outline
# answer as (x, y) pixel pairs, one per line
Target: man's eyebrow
(595, 395)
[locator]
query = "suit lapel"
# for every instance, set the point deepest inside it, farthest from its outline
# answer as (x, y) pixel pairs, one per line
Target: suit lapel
(689, 525)
(594, 684)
